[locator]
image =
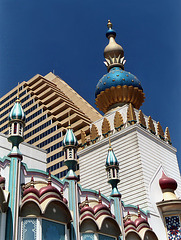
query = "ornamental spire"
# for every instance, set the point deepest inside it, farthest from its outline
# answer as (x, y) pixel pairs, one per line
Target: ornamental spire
(112, 168)
(113, 52)
(16, 125)
(70, 145)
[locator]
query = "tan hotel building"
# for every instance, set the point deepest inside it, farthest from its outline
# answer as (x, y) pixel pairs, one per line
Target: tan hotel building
(47, 102)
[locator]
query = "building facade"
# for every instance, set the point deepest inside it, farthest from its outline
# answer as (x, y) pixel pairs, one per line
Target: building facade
(37, 206)
(143, 149)
(49, 104)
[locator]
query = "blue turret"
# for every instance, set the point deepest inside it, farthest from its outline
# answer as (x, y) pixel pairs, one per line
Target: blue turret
(70, 145)
(16, 132)
(16, 126)
(112, 168)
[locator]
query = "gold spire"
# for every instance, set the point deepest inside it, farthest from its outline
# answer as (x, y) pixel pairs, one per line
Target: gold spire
(113, 52)
(17, 100)
(109, 24)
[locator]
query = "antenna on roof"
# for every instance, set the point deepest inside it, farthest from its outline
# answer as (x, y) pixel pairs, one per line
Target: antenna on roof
(18, 92)
(68, 118)
(53, 71)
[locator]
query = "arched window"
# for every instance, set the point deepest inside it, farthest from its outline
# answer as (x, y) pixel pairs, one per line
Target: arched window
(15, 128)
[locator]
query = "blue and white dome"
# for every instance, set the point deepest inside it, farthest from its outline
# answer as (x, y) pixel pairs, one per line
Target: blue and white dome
(117, 87)
(17, 112)
(117, 77)
(70, 139)
(111, 158)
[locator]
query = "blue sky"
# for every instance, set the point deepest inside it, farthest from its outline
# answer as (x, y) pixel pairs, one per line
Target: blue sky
(69, 37)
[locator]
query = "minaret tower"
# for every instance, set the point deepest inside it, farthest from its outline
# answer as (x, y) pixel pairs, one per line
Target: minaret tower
(112, 168)
(118, 86)
(16, 130)
(70, 145)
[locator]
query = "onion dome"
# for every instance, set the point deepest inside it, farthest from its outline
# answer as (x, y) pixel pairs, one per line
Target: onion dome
(117, 87)
(70, 139)
(111, 159)
(140, 220)
(31, 189)
(17, 112)
(167, 183)
(101, 206)
(86, 207)
(49, 188)
(129, 224)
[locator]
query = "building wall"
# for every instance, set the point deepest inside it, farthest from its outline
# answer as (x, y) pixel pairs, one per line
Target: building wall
(47, 102)
(139, 153)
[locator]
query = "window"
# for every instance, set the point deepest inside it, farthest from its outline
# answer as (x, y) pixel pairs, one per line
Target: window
(105, 237)
(87, 236)
(29, 229)
(173, 227)
(49, 228)
(15, 128)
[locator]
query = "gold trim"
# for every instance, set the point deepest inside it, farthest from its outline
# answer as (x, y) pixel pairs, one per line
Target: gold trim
(94, 133)
(119, 94)
(83, 138)
(118, 121)
(167, 136)
(131, 117)
(151, 125)
(141, 119)
(160, 131)
(106, 128)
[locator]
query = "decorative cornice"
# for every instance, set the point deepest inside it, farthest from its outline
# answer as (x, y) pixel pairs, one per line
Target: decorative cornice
(120, 94)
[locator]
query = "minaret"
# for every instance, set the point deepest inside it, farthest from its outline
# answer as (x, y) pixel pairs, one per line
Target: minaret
(16, 130)
(70, 145)
(112, 168)
(118, 86)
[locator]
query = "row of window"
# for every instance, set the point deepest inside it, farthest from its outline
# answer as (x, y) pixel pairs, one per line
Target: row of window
(28, 111)
(4, 120)
(25, 98)
(34, 115)
(36, 122)
(31, 109)
(55, 156)
(52, 148)
(49, 140)
(12, 101)
(28, 103)
(11, 95)
(42, 135)
(56, 166)
(39, 128)
(61, 174)
(4, 127)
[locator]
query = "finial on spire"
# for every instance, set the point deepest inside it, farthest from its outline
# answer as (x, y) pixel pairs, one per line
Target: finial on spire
(49, 178)
(18, 93)
(100, 198)
(68, 118)
(109, 25)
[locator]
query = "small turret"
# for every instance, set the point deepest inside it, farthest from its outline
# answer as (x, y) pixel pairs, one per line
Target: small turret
(70, 145)
(16, 125)
(112, 168)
